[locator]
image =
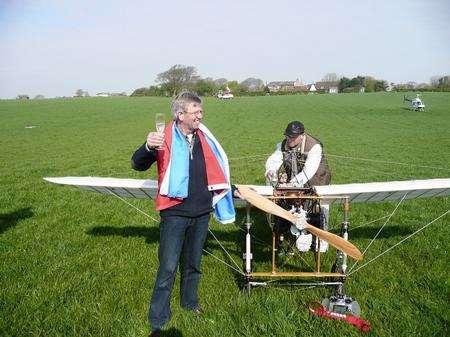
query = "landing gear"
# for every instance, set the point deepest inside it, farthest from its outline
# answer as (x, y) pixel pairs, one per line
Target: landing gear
(247, 285)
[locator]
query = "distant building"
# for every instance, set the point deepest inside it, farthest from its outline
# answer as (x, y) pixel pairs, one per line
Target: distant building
(312, 88)
(275, 86)
(327, 87)
(110, 94)
(121, 94)
(287, 86)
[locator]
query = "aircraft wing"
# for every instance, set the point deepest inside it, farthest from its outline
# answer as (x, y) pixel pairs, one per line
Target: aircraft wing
(363, 192)
(127, 188)
(386, 191)
(376, 191)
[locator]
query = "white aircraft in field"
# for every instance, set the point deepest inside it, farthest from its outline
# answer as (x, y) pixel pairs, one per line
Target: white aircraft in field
(416, 103)
(299, 208)
(225, 94)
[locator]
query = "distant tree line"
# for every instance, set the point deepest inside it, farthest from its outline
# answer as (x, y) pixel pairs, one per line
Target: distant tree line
(181, 77)
(81, 93)
(355, 84)
(437, 83)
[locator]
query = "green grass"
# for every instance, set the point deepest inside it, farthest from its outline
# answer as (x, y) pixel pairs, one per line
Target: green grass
(74, 263)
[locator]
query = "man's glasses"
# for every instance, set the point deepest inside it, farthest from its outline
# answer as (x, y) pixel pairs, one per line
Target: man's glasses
(196, 113)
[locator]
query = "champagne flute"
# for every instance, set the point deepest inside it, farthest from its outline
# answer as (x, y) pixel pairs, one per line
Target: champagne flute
(160, 122)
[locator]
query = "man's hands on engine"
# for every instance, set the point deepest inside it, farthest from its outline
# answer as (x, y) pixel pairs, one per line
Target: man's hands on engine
(301, 221)
(281, 180)
(272, 177)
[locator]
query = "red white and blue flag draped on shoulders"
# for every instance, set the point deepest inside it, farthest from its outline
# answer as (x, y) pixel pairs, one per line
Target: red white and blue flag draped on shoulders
(173, 172)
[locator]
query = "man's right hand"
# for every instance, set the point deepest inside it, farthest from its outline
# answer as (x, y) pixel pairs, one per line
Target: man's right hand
(271, 176)
(155, 140)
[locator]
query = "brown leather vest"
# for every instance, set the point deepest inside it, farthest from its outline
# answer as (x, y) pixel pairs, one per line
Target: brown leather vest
(294, 161)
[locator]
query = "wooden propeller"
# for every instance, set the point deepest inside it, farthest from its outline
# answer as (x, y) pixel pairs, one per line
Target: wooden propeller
(268, 206)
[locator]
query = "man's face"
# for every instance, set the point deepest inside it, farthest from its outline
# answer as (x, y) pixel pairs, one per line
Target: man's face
(293, 141)
(192, 116)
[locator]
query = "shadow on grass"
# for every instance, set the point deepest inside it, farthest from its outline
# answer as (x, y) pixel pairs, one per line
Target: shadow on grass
(172, 332)
(151, 234)
(261, 247)
(387, 232)
(260, 231)
(233, 239)
(11, 219)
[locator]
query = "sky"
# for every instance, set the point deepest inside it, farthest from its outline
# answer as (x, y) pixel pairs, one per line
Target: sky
(53, 48)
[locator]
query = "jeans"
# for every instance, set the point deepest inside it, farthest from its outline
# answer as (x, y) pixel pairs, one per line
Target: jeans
(179, 237)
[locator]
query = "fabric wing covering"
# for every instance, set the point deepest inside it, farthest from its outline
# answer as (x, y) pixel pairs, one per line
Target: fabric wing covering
(361, 192)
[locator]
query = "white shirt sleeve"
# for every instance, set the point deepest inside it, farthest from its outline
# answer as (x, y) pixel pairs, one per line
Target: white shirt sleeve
(311, 166)
(275, 160)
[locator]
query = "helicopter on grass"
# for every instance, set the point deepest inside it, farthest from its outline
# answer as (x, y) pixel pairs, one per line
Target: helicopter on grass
(416, 103)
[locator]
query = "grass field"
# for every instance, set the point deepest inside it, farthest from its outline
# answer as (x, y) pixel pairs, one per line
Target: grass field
(73, 263)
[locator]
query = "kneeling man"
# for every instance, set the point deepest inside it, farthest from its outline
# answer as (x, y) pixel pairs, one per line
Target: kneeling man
(299, 161)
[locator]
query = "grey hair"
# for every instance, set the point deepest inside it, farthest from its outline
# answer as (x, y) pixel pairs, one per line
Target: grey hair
(180, 102)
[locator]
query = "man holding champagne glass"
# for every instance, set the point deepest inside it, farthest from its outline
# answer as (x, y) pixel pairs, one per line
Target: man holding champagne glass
(193, 181)
(160, 121)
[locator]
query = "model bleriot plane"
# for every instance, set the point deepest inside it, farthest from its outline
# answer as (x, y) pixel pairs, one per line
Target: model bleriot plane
(301, 209)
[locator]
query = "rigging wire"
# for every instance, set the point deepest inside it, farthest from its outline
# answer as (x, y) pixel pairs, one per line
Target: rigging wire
(116, 195)
(384, 173)
(398, 243)
(389, 162)
(226, 252)
(379, 231)
(337, 230)
(288, 257)
(368, 223)
(354, 158)
(150, 217)
(250, 156)
(258, 240)
(237, 270)
(351, 271)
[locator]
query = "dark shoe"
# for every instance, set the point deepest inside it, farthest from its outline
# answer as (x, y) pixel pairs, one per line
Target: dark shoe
(197, 310)
(155, 333)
